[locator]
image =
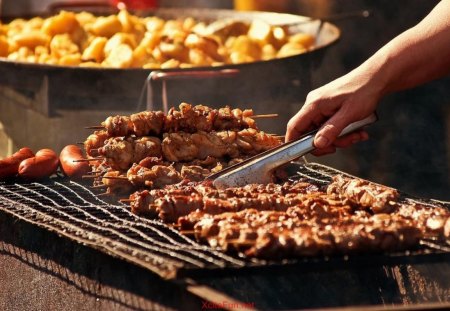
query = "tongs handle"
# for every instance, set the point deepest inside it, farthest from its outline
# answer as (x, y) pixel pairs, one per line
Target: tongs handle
(258, 168)
(305, 144)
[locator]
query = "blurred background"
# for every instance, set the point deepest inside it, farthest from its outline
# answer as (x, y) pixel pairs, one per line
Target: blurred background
(410, 145)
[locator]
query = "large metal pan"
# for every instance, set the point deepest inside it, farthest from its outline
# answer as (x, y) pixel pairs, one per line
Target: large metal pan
(51, 88)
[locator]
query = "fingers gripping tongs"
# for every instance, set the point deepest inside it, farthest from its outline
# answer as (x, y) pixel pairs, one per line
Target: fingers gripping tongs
(258, 169)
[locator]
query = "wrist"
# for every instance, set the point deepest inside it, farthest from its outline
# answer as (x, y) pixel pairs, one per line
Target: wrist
(375, 76)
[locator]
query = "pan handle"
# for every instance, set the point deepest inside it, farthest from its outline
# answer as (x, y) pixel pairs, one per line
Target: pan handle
(347, 15)
(165, 76)
(340, 17)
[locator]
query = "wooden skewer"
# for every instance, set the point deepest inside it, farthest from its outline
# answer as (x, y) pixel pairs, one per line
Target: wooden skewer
(99, 186)
(91, 176)
(79, 143)
(94, 173)
(279, 136)
(187, 232)
(125, 200)
(261, 116)
(116, 177)
(95, 127)
(241, 242)
(103, 194)
(90, 160)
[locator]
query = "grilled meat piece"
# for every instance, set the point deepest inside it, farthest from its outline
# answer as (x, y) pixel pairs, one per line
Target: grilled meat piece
(430, 220)
(183, 146)
(155, 177)
(116, 186)
(380, 199)
(228, 118)
(121, 152)
(170, 208)
(212, 201)
(194, 172)
(94, 142)
(118, 126)
(140, 124)
(147, 123)
(188, 119)
(153, 172)
(268, 234)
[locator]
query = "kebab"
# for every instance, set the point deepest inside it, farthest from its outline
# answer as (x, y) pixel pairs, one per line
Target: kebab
(183, 146)
(268, 234)
(432, 221)
(380, 199)
(121, 152)
(117, 185)
(95, 141)
(188, 119)
(173, 202)
(153, 172)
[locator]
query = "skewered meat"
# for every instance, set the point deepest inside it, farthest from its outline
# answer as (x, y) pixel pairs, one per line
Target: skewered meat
(339, 238)
(380, 199)
(188, 119)
(147, 123)
(308, 206)
(153, 172)
(228, 118)
(121, 152)
(213, 201)
(155, 177)
(430, 220)
(140, 124)
(194, 172)
(268, 234)
(213, 165)
(187, 147)
(116, 186)
(118, 126)
(94, 142)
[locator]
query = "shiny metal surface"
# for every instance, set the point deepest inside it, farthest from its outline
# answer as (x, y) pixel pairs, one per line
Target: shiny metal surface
(258, 169)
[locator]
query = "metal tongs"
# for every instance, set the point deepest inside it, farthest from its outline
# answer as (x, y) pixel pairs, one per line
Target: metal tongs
(257, 169)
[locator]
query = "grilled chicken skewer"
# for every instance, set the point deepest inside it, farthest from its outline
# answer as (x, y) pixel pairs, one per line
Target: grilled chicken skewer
(267, 234)
(121, 152)
(182, 146)
(176, 201)
(152, 172)
(188, 119)
(380, 199)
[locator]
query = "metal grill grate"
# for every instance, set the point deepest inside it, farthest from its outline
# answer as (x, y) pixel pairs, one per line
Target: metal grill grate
(72, 210)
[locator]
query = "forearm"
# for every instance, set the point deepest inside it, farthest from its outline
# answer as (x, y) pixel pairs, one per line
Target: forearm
(417, 56)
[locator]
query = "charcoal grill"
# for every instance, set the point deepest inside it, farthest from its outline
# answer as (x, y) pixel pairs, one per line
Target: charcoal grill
(75, 212)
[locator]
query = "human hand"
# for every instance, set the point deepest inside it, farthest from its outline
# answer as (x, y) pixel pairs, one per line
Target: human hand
(334, 106)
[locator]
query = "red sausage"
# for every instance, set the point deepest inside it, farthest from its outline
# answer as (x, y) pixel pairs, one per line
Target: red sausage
(68, 155)
(9, 166)
(44, 164)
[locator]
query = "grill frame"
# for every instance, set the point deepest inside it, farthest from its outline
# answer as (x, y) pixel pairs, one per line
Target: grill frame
(163, 250)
